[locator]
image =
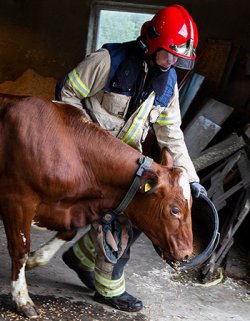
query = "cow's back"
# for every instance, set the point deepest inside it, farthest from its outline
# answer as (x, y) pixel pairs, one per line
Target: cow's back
(39, 143)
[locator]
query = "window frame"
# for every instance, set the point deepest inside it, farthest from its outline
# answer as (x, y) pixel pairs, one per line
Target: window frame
(99, 5)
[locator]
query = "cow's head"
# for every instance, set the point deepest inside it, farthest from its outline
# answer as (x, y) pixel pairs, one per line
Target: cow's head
(163, 210)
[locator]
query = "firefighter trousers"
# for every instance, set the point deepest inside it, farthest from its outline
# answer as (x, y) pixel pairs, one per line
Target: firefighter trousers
(109, 278)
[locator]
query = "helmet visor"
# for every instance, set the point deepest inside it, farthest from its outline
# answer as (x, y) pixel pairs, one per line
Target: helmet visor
(184, 63)
(186, 49)
(185, 53)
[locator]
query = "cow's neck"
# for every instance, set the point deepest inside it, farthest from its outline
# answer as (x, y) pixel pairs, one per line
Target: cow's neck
(111, 165)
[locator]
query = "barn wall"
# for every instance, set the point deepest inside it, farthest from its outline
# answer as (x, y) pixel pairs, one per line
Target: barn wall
(50, 36)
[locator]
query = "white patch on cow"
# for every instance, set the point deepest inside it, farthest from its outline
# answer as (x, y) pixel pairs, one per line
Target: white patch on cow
(34, 225)
(184, 183)
(19, 289)
(23, 238)
(43, 255)
(58, 101)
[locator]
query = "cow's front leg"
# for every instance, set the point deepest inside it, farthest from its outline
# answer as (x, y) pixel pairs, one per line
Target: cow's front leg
(45, 253)
(19, 291)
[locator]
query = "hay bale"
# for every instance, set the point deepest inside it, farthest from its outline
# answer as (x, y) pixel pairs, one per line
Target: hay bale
(30, 84)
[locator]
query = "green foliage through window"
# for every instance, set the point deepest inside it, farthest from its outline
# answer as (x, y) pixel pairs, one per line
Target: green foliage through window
(117, 26)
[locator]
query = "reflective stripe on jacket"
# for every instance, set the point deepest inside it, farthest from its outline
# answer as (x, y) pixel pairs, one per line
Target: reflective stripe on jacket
(86, 87)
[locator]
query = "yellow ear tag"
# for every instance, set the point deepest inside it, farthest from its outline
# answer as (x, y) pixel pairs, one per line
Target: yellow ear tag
(147, 187)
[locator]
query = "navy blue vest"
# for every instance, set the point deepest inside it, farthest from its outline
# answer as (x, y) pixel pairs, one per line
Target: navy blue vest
(126, 64)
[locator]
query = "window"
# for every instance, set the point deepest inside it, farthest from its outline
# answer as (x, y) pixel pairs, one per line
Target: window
(116, 22)
(117, 26)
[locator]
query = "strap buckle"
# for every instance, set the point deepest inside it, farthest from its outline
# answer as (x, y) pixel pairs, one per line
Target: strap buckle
(108, 217)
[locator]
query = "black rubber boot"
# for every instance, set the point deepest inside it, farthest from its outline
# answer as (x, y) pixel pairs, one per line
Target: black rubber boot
(87, 277)
(125, 302)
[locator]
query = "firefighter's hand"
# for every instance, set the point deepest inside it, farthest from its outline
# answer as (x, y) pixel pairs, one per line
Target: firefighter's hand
(197, 189)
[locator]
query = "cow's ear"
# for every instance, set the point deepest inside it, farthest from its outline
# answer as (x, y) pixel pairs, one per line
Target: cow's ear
(148, 181)
(166, 157)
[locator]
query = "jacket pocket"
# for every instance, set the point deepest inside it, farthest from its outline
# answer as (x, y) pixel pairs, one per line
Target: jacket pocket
(115, 104)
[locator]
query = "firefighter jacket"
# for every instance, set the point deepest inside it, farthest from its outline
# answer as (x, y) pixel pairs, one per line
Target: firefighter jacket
(104, 84)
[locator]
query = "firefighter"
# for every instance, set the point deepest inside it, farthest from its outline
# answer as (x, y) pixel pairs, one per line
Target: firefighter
(130, 89)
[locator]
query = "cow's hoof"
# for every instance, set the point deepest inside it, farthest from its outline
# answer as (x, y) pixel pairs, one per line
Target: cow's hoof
(33, 262)
(30, 265)
(29, 311)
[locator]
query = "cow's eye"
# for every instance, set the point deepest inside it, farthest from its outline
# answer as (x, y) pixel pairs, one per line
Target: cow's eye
(175, 211)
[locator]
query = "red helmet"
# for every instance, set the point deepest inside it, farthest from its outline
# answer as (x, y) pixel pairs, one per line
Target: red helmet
(174, 30)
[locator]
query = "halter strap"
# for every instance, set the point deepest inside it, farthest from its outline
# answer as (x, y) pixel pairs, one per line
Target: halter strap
(108, 216)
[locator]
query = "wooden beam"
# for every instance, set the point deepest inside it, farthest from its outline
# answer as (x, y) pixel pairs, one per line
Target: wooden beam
(219, 151)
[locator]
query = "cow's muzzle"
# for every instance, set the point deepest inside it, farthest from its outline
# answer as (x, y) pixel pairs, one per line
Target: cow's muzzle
(173, 263)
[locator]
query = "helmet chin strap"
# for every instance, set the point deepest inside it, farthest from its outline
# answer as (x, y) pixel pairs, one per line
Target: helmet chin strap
(164, 69)
(142, 44)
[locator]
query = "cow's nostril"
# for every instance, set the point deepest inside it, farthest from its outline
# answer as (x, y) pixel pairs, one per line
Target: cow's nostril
(186, 257)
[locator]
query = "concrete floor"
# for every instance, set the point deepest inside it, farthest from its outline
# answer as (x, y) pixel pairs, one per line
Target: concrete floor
(166, 294)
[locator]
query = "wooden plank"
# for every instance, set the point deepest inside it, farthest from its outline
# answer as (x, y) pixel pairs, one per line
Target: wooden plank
(230, 227)
(228, 69)
(214, 60)
(219, 151)
(199, 134)
(205, 125)
(189, 91)
(223, 183)
(214, 110)
(246, 130)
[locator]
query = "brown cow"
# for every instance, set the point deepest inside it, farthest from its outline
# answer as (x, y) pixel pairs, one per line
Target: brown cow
(59, 171)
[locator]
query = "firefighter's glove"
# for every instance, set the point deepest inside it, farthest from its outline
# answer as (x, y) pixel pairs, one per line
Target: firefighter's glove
(197, 189)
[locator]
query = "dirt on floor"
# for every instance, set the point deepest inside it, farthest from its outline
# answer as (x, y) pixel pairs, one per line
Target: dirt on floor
(63, 309)
(167, 294)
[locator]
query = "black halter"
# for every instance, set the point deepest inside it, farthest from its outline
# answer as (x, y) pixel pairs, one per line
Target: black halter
(109, 215)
